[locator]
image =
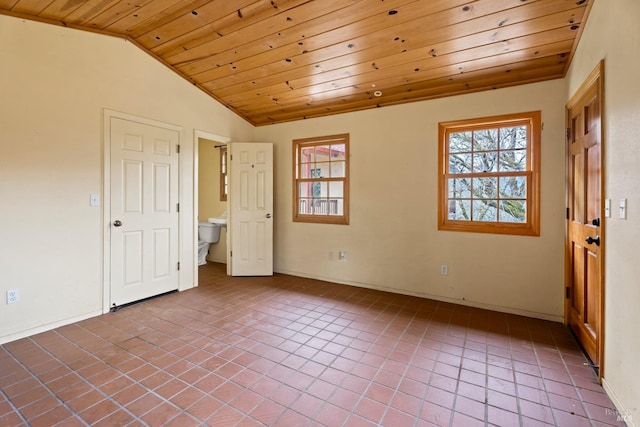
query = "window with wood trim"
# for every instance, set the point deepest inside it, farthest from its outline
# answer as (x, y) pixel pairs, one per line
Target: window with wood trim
(224, 180)
(321, 179)
(489, 174)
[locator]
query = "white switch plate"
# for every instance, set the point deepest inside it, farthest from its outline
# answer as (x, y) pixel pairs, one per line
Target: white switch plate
(607, 208)
(94, 200)
(623, 208)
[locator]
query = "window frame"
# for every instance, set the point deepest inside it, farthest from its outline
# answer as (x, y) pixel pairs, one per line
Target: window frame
(531, 227)
(297, 145)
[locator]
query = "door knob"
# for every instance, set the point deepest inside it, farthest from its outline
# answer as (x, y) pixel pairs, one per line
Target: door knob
(117, 223)
(595, 240)
(268, 215)
(596, 222)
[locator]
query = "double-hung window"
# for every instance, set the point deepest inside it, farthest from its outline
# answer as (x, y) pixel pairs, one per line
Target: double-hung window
(489, 175)
(321, 179)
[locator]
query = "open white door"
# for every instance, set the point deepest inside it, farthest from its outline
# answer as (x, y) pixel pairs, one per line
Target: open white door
(250, 222)
(143, 217)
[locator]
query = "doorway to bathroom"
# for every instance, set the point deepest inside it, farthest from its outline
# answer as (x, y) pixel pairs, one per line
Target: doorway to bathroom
(246, 245)
(211, 186)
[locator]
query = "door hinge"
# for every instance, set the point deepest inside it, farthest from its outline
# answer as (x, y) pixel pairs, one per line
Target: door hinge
(567, 213)
(568, 133)
(178, 148)
(177, 207)
(230, 253)
(567, 292)
(230, 156)
(178, 265)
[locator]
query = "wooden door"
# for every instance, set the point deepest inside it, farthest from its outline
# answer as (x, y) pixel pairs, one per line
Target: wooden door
(144, 212)
(250, 222)
(585, 240)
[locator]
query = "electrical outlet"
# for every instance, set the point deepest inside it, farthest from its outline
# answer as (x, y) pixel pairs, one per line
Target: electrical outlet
(343, 256)
(13, 296)
(444, 269)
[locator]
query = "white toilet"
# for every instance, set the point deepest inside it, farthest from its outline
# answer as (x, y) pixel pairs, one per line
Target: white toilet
(207, 233)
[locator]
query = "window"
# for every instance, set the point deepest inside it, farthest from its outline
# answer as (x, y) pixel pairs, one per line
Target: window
(224, 183)
(321, 179)
(489, 175)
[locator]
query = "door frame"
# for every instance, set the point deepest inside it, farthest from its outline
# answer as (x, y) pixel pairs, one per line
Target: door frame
(197, 135)
(595, 77)
(106, 195)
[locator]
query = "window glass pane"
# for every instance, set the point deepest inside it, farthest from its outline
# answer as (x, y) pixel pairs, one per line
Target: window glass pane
(515, 137)
(319, 189)
(485, 140)
(322, 153)
(513, 211)
(485, 188)
(223, 161)
(305, 206)
(321, 207)
(336, 206)
(321, 171)
(460, 163)
(460, 142)
(513, 187)
(336, 189)
(485, 210)
(460, 210)
(459, 188)
(307, 170)
(338, 152)
(307, 155)
(338, 170)
(306, 189)
(513, 161)
(485, 162)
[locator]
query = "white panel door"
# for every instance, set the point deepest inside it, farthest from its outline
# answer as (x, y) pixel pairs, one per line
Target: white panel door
(144, 211)
(250, 222)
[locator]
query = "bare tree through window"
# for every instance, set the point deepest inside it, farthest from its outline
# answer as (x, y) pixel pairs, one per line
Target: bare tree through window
(489, 173)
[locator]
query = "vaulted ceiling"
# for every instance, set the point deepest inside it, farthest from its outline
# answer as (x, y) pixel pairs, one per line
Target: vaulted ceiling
(274, 61)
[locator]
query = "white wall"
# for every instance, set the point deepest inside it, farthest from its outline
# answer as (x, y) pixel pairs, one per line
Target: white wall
(54, 84)
(392, 241)
(612, 33)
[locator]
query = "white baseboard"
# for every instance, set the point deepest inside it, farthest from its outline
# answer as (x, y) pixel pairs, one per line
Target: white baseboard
(28, 332)
(465, 302)
(621, 413)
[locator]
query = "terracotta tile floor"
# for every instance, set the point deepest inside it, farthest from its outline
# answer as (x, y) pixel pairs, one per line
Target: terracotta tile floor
(287, 351)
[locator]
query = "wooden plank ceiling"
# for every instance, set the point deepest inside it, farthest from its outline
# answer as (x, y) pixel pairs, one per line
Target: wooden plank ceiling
(274, 61)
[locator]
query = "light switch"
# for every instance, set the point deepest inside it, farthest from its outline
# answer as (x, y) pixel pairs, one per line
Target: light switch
(95, 200)
(623, 208)
(607, 208)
